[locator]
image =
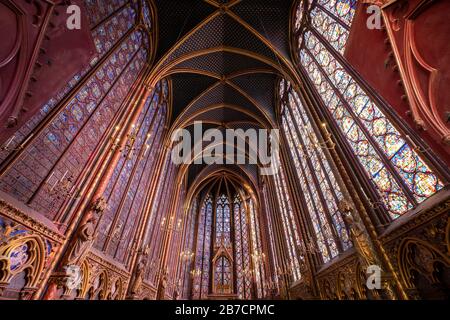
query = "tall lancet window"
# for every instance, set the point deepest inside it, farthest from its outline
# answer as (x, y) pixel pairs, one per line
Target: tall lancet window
(229, 256)
(223, 275)
(187, 254)
(317, 181)
(200, 274)
(223, 227)
(242, 255)
(223, 250)
(291, 233)
(399, 174)
(258, 256)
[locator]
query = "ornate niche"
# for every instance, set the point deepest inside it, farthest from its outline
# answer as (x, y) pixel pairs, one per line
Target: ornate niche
(421, 250)
(425, 268)
(327, 290)
(424, 265)
(116, 290)
(98, 287)
(148, 292)
(27, 250)
(339, 281)
(104, 280)
(223, 278)
(22, 261)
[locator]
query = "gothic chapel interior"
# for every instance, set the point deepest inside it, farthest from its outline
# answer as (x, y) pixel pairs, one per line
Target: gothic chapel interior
(93, 207)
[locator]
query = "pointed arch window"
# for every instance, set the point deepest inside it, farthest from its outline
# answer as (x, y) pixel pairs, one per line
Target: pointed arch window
(399, 174)
(229, 254)
(223, 266)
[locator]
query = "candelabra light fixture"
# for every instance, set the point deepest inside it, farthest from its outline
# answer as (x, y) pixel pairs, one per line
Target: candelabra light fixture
(186, 255)
(170, 225)
(128, 149)
(284, 272)
(315, 144)
(308, 247)
(195, 273)
(415, 146)
(60, 188)
(146, 148)
(248, 272)
(115, 139)
(271, 284)
(258, 257)
(10, 146)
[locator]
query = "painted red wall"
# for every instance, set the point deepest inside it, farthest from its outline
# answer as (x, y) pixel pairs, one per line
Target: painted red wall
(368, 51)
(27, 45)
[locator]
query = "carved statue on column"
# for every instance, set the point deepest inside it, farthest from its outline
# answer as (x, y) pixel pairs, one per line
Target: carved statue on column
(282, 284)
(176, 294)
(358, 233)
(139, 272)
(363, 244)
(162, 286)
(86, 232)
(82, 240)
(305, 281)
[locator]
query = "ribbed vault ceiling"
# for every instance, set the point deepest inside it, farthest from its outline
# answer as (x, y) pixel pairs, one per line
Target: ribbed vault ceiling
(224, 59)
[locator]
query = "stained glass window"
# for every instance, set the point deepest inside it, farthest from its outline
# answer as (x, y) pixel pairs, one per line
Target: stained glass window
(258, 256)
(229, 256)
(120, 220)
(188, 252)
(291, 233)
(155, 226)
(202, 257)
(317, 181)
(93, 98)
(147, 15)
(223, 275)
(223, 221)
(242, 256)
(270, 227)
(399, 174)
(223, 268)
